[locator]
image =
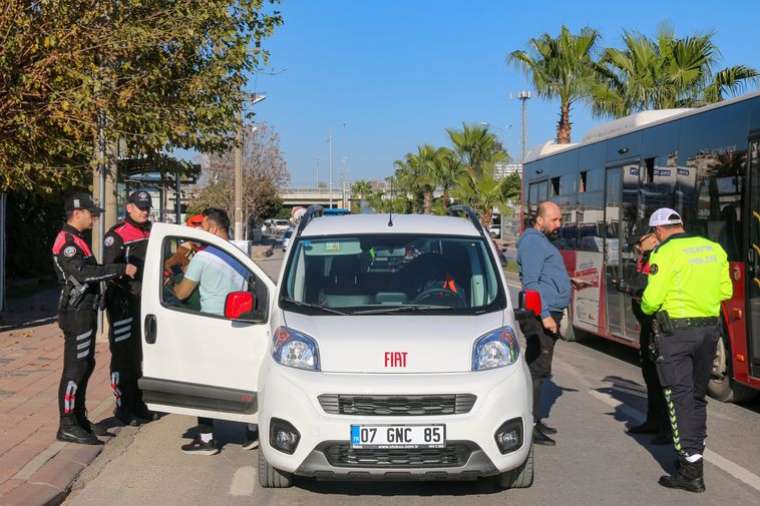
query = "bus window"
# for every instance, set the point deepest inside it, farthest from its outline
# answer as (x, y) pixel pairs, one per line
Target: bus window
(716, 202)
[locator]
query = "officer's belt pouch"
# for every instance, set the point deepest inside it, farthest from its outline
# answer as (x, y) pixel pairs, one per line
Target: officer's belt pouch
(666, 371)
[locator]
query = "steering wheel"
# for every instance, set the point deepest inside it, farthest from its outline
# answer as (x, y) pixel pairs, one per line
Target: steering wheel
(437, 294)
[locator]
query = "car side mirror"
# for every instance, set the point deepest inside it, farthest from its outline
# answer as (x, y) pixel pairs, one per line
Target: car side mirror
(528, 304)
(239, 306)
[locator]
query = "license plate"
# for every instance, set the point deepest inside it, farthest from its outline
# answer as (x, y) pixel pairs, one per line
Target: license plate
(398, 436)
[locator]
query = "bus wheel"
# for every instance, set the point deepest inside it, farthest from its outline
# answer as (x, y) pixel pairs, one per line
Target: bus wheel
(721, 386)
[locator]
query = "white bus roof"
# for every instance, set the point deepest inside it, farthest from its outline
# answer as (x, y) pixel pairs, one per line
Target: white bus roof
(630, 124)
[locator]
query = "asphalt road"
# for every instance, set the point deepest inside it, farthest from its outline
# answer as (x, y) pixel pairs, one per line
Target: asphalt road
(595, 392)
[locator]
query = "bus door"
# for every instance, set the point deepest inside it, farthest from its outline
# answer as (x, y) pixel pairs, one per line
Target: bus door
(753, 258)
(620, 216)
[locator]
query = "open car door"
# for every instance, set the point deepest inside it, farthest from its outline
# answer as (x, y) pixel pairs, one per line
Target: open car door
(197, 361)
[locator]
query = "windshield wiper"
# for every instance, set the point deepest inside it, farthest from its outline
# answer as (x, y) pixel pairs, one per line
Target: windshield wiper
(312, 306)
(399, 309)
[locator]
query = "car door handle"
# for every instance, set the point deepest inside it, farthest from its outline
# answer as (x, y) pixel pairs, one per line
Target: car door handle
(150, 329)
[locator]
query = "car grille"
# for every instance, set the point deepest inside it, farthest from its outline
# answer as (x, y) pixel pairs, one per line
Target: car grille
(397, 405)
(342, 455)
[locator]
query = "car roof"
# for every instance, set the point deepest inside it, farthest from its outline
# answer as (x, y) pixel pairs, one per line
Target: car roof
(378, 224)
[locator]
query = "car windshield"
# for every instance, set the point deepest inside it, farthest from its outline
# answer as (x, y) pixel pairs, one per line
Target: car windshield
(392, 273)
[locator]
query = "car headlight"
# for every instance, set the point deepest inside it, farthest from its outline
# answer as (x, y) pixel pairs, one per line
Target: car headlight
(497, 348)
(295, 349)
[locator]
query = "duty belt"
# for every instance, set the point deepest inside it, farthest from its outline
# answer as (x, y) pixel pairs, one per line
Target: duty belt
(683, 323)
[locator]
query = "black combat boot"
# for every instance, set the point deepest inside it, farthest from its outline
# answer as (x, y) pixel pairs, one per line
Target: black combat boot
(688, 476)
(90, 426)
(70, 431)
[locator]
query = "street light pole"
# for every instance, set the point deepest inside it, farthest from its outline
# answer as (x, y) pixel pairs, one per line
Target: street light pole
(332, 153)
(524, 96)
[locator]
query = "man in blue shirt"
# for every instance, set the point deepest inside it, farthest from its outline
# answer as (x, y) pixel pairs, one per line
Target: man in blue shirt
(542, 270)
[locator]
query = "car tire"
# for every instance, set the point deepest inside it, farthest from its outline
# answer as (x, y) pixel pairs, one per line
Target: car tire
(269, 477)
(520, 477)
(722, 387)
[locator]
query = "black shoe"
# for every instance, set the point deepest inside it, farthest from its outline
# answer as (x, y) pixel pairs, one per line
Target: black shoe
(71, 432)
(144, 413)
(128, 418)
(661, 439)
(251, 440)
(539, 438)
(545, 428)
(93, 428)
(198, 447)
(644, 428)
(688, 476)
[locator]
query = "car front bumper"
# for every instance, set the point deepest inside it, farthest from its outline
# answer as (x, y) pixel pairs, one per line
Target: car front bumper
(292, 395)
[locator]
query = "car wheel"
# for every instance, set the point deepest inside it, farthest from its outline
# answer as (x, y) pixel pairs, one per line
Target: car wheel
(269, 477)
(722, 387)
(521, 477)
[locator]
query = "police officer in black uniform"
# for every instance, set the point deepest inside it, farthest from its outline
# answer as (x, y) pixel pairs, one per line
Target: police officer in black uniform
(127, 241)
(79, 275)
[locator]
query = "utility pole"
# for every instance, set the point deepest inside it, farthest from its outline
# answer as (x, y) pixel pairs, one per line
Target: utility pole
(239, 181)
(524, 96)
(239, 138)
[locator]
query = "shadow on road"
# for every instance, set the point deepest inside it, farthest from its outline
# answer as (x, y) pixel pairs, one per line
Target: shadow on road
(633, 394)
(409, 488)
(549, 395)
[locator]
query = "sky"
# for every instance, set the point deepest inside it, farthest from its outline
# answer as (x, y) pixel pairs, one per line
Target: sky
(386, 76)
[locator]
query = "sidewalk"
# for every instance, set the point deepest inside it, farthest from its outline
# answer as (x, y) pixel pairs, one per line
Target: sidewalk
(36, 469)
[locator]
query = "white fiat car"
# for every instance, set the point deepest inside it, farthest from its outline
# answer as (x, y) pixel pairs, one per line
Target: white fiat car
(387, 350)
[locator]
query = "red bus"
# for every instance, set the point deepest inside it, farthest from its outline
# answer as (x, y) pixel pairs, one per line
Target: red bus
(703, 162)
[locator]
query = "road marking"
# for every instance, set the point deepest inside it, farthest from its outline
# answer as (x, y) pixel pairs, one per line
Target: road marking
(735, 470)
(243, 482)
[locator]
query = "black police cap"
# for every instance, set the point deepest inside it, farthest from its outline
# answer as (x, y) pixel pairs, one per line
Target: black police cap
(141, 199)
(81, 201)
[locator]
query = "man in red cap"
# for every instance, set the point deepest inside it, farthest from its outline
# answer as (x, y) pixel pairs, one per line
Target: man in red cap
(127, 241)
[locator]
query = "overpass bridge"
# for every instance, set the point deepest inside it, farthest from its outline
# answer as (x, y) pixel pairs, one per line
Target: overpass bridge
(306, 196)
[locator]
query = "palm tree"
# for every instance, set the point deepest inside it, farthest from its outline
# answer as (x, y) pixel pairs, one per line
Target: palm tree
(664, 73)
(361, 189)
(478, 151)
(446, 171)
(478, 148)
(415, 175)
(561, 67)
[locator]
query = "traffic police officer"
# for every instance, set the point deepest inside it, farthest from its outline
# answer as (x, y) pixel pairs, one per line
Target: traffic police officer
(79, 275)
(127, 241)
(688, 280)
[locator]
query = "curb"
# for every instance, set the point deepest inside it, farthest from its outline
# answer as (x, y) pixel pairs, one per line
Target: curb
(47, 480)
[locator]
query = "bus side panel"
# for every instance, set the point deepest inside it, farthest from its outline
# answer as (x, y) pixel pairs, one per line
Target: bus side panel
(587, 302)
(735, 312)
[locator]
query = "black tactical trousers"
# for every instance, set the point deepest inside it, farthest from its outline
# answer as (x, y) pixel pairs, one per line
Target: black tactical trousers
(539, 353)
(684, 369)
(79, 328)
(656, 412)
(124, 340)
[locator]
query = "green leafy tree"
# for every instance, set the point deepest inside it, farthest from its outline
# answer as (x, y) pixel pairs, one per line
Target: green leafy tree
(561, 67)
(478, 151)
(665, 72)
(415, 176)
(360, 191)
(158, 74)
(477, 148)
(447, 168)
